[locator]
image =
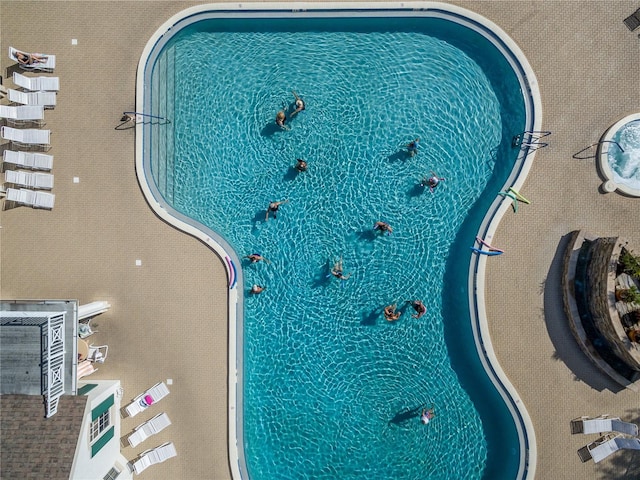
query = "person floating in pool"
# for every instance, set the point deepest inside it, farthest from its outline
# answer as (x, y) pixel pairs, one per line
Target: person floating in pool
(273, 208)
(256, 289)
(338, 270)
(432, 182)
(427, 415)
(301, 165)
(256, 257)
(412, 147)
(419, 307)
(300, 106)
(391, 314)
(383, 227)
(281, 118)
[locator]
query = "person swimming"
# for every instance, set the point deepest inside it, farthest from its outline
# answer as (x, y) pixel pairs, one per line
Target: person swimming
(383, 227)
(273, 208)
(427, 415)
(281, 118)
(257, 289)
(391, 314)
(338, 270)
(432, 182)
(301, 165)
(300, 106)
(256, 257)
(419, 307)
(412, 147)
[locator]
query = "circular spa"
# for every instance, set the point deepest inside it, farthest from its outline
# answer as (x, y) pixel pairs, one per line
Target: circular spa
(619, 157)
(321, 385)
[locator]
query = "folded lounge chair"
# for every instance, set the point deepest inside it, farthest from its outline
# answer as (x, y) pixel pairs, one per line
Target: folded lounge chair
(35, 161)
(31, 198)
(146, 399)
(27, 136)
(151, 427)
(85, 368)
(34, 84)
(605, 446)
(47, 66)
(154, 456)
(29, 179)
(603, 424)
(22, 114)
(46, 99)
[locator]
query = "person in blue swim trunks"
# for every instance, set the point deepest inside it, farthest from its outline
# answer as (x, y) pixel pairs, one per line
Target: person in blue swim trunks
(412, 147)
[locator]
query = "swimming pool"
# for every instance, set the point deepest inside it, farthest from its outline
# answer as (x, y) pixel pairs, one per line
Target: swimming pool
(331, 388)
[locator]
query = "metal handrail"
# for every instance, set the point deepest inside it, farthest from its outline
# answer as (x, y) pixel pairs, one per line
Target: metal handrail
(575, 155)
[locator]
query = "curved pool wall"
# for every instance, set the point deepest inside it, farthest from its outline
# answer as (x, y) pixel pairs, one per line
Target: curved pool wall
(466, 364)
(610, 147)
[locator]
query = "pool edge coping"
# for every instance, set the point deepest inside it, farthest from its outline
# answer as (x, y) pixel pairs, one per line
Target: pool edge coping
(477, 265)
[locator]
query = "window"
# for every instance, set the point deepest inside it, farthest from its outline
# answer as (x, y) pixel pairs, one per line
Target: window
(99, 425)
(112, 474)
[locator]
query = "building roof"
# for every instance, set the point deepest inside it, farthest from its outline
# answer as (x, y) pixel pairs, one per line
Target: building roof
(35, 447)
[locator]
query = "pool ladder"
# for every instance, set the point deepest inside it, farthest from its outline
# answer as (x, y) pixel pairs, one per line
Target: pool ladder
(530, 140)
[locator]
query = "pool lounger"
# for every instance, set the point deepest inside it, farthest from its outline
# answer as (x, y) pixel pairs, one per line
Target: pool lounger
(22, 114)
(46, 99)
(151, 427)
(154, 456)
(157, 393)
(26, 137)
(31, 198)
(34, 84)
(36, 180)
(31, 160)
(47, 66)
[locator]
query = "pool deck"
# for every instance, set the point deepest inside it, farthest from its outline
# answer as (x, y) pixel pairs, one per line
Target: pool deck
(169, 316)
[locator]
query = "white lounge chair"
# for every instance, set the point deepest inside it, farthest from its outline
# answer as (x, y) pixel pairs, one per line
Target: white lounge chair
(47, 66)
(154, 456)
(34, 84)
(45, 99)
(31, 198)
(34, 161)
(157, 393)
(27, 136)
(598, 451)
(603, 424)
(98, 353)
(29, 179)
(149, 428)
(22, 114)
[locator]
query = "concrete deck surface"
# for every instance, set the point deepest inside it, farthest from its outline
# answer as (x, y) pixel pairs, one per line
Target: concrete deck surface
(169, 316)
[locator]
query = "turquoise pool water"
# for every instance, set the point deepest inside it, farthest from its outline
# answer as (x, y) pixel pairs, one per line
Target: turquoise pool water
(331, 389)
